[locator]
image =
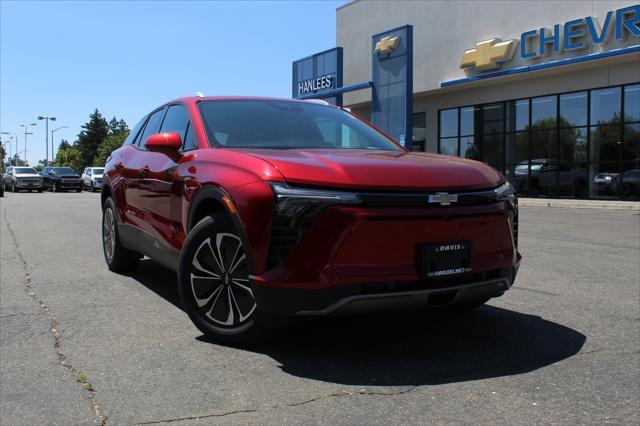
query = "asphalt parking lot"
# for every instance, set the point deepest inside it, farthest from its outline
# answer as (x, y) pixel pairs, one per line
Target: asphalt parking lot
(82, 345)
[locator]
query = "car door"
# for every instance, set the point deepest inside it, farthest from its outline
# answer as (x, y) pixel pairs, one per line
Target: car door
(6, 178)
(159, 181)
(137, 198)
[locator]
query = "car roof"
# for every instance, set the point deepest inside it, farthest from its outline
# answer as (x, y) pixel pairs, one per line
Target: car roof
(195, 98)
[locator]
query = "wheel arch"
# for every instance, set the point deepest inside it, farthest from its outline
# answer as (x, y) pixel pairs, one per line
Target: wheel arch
(214, 200)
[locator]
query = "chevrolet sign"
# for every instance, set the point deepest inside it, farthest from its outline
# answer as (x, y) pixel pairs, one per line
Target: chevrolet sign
(443, 198)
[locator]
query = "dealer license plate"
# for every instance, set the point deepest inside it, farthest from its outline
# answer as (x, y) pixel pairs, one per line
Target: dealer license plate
(442, 260)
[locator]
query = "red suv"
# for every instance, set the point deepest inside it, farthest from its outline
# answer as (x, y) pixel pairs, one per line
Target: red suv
(270, 207)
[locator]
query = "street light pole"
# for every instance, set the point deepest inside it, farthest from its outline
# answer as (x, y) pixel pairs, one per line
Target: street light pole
(26, 132)
(40, 117)
(53, 158)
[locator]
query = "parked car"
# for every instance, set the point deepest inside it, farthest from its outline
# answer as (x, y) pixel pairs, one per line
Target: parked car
(1, 187)
(606, 183)
(61, 179)
(544, 176)
(629, 184)
(269, 207)
(22, 178)
(92, 178)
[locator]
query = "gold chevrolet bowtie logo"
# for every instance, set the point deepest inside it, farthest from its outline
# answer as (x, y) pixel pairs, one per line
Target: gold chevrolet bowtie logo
(488, 54)
(386, 45)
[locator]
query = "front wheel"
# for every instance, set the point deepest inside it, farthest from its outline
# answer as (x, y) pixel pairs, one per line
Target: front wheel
(117, 257)
(214, 287)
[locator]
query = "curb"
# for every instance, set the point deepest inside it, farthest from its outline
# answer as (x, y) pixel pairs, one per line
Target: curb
(579, 204)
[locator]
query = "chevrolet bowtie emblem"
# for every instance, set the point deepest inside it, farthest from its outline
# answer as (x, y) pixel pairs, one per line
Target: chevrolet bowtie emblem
(443, 198)
(488, 54)
(386, 45)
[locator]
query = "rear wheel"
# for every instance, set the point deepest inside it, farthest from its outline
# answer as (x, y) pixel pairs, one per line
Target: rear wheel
(213, 283)
(117, 257)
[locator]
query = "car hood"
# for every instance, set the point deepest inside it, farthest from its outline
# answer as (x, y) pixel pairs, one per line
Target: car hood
(379, 169)
(26, 175)
(67, 176)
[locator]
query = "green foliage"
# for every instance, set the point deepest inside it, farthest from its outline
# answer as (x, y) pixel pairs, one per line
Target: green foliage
(110, 144)
(91, 137)
(69, 156)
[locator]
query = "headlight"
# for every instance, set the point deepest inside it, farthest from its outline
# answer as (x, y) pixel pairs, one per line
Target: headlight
(292, 201)
(505, 192)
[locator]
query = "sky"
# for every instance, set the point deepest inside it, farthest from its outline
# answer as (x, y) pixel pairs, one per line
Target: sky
(67, 58)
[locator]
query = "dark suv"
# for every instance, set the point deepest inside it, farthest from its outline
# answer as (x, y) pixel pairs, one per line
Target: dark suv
(269, 207)
(61, 179)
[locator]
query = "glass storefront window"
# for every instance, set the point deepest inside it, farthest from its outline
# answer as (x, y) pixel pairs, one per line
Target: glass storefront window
(572, 145)
(631, 147)
(553, 145)
(573, 109)
(419, 126)
(493, 151)
(605, 143)
(449, 123)
(517, 147)
(632, 103)
(543, 145)
(469, 148)
(467, 121)
(543, 113)
(449, 146)
(493, 118)
(605, 105)
(517, 115)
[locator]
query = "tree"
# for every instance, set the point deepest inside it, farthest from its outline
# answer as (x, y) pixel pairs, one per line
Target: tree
(92, 135)
(69, 156)
(17, 161)
(110, 144)
(117, 126)
(64, 144)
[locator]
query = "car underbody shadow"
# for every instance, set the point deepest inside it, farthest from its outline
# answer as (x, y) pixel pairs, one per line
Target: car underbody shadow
(395, 348)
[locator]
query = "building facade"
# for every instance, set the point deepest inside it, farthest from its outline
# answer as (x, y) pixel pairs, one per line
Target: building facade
(548, 92)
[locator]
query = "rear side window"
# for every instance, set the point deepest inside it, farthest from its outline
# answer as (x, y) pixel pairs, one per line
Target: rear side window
(176, 120)
(153, 124)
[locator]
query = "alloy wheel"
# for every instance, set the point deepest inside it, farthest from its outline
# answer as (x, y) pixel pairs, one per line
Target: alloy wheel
(108, 233)
(219, 281)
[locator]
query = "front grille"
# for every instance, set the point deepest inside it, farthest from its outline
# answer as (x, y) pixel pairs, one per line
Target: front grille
(69, 181)
(286, 234)
(28, 180)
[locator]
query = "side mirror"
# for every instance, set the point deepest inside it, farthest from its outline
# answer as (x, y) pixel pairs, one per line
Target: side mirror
(169, 142)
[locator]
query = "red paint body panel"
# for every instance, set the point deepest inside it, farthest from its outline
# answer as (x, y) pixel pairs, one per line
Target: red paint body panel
(155, 191)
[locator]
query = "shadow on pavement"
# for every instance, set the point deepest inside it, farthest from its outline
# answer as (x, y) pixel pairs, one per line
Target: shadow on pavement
(408, 348)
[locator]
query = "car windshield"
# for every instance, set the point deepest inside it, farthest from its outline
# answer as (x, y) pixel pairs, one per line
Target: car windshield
(269, 124)
(98, 171)
(25, 170)
(63, 171)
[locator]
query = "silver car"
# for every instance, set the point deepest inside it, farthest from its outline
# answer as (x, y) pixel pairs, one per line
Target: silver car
(92, 178)
(26, 178)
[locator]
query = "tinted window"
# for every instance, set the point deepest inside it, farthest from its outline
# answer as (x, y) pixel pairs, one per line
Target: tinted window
(605, 105)
(543, 112)
(132, 135)
(517, 115)
(152, 126)
(632, 103)
(573, 109)
(63, 170)
(449, 123)
(176, 120)
(189, 140)
(25, 170)
(286, 125)
(467, 120)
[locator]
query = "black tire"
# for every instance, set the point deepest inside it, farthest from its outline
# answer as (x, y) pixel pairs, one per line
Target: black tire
(215, 289)
(13, 188)
(93, 188)
(82, 187)
(117, 257)
(79, 189)
(56, 188)
(39, 190)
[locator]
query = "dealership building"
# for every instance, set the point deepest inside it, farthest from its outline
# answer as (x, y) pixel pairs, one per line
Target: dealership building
(546, 92)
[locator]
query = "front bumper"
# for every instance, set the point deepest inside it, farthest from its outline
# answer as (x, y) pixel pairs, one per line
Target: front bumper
(393, 295)
(68, 185)
(358, 257)
(25, 185)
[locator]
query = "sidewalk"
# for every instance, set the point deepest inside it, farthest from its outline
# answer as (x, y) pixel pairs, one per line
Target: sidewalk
(579, 204)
